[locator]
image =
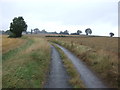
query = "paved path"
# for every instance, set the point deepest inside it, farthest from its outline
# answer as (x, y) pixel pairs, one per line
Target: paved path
(88, 77)
(58, 77)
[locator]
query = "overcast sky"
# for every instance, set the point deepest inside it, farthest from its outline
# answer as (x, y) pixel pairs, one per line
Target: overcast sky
(59, 15)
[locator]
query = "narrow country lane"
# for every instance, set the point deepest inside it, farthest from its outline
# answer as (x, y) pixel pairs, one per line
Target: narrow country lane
(87, 76)
(58, 77)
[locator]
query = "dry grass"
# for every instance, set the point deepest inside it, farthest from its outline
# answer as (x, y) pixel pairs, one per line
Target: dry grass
(100, 53)
(28, 67)
(10, 43)
(106, 43)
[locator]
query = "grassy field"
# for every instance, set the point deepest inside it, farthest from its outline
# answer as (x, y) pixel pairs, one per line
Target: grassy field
(99, 53)
(26, 60)
(25, 64)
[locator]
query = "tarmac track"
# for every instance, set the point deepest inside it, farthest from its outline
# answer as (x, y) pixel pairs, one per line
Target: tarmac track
(87, 76)
(58, 77)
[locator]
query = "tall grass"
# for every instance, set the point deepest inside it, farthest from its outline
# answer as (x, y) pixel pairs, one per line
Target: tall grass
(10, 43)
(28, 67)
(99, 53)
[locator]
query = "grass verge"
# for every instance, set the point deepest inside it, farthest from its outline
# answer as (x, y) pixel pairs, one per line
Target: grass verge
(27, 67)
(74, 75)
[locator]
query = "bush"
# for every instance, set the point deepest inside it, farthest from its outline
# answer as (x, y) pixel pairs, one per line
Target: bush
(12, 35)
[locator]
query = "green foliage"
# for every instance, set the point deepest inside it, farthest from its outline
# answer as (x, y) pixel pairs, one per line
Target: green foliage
(111, 34)
(17, 27)
(65, 32)
(88, 31)
(12, 35)
(79, 31)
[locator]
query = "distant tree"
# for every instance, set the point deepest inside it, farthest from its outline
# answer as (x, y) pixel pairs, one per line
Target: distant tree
(3, 32)
(32, 31)
(17, 27)
(79, 32)
(88, 31)
(43, 31)
(54, 32)
(61, 32)
(8, 32)
(36, 30)
(111, 34)
(74, 33)
(66, 32)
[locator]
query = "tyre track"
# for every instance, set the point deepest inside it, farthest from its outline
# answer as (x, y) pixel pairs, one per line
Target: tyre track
(58, 77)
(87, 76)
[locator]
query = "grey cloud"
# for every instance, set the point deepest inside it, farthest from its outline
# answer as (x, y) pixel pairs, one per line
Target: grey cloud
(68, 13)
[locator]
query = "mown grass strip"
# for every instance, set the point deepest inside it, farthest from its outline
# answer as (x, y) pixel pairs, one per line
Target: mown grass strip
(13, 52)
(74, 75)
(29, 69)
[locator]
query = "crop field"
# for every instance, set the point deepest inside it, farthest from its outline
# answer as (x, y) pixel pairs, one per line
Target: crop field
(99, 53)
(10, 43)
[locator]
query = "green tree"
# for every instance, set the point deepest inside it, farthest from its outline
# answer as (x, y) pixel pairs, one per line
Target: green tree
(17, 27)
(79, 32)
(88, 31)
(111, 34)
(66, 32)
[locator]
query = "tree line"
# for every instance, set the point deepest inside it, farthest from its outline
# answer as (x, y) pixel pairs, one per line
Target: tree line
(18, 25)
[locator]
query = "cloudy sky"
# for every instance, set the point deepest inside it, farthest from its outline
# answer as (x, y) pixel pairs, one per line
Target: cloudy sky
(59, 15)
